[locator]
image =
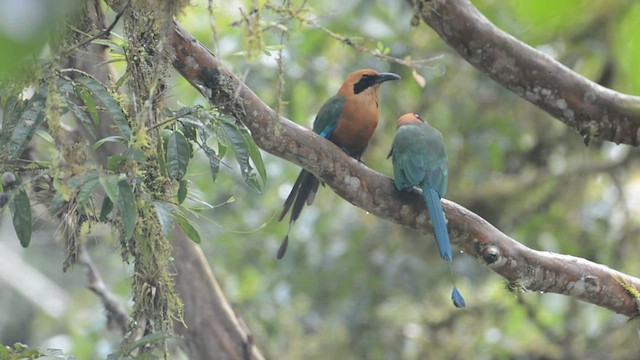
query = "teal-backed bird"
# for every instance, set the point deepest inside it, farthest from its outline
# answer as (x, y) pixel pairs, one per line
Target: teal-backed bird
(419, 159)
(348, 119)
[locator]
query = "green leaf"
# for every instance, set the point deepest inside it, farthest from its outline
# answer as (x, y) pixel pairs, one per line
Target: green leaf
(189, 130)
(113, 108)
(107, 206)
(86, 190)
(110, 185)
(80, 179)
(114, 138)
(148, 339)
(222, 150)
(135, 155)
(31, 117)
(214, 161)
(177, 155)
(256, 157)
(21, 214)
(45, 136)
(188, 228)
(165, 216)
(82, 116)
(71, 95)
(87, 99)
(182, 191)
(12, 109)
(114, 161)
(231, 135)
(161, 160)
(114, 46)
(56, 203)
(128, 208)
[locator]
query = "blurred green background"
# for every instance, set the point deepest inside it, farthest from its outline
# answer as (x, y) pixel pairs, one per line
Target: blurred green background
(353, 286)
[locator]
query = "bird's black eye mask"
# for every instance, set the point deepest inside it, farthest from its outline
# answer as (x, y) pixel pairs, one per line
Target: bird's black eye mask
(365, 82)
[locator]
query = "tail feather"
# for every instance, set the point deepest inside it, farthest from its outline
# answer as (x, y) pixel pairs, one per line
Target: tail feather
(312, 192)
(442, 238)
(457, 299)
(303, 191)
(306, 194)
(292, 195)
(439, 223)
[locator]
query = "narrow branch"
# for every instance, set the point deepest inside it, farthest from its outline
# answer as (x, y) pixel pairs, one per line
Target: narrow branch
(103, 33)
(592, 110)
(115, 309)
(375, 193)
(299, 14)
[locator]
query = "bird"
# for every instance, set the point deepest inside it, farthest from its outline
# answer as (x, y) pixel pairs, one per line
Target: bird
(419, 159)
(348, 119)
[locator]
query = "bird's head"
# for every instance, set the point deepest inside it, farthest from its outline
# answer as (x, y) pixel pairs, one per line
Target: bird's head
(409, 118)
(365, 80)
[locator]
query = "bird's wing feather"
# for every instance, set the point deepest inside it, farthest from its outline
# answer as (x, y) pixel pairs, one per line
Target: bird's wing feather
(327, 118)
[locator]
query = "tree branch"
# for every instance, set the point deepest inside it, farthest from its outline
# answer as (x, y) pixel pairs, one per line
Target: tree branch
(212, 330)
(113, 306)
(592, 110)
(532, 270)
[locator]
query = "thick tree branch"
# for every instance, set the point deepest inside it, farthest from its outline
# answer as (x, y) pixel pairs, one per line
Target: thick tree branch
(375, 193)
(212, 330)
(594, 111)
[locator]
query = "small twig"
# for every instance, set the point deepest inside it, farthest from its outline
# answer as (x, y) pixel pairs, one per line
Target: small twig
(212, 25)
(281, 81)
(104, 32)
(115, 310)
(297, 14)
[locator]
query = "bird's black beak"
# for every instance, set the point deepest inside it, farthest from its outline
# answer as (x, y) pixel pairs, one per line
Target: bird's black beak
(382, 77)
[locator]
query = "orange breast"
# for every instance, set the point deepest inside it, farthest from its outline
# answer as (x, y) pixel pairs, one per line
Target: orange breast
(357, 124)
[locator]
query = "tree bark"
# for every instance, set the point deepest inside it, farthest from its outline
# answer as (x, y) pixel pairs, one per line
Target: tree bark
(212, 330)
(592, 110)
(527, 268)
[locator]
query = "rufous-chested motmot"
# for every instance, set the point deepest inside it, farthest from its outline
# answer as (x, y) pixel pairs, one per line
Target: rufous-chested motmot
(420, 159)
(348, 119)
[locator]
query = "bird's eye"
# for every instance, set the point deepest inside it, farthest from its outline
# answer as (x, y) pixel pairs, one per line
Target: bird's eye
(366, 76)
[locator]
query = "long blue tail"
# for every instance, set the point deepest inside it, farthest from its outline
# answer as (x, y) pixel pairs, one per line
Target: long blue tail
(432, 199)
(439, 223)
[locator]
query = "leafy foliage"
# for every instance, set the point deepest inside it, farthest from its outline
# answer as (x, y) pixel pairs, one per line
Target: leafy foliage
(21, 214)
(351, 286)
(199, 125)
(30, 118)
(22, 351)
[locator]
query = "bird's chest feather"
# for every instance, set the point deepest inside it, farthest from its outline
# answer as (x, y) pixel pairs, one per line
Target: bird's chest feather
(357, 123)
